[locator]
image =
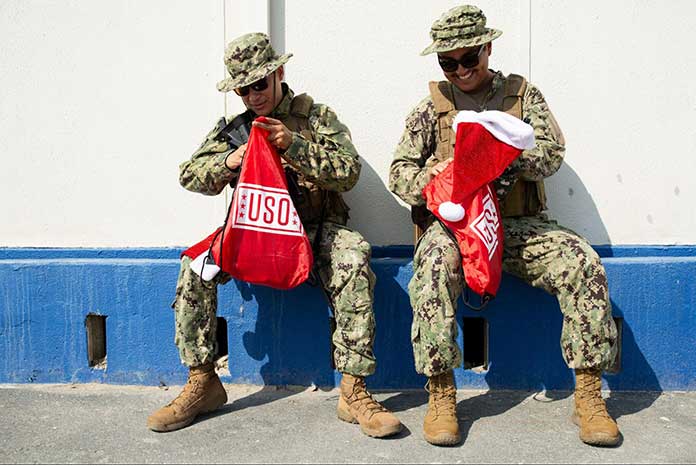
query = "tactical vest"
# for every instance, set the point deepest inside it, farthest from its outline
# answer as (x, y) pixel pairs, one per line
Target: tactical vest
(526, 197)
(311, 199)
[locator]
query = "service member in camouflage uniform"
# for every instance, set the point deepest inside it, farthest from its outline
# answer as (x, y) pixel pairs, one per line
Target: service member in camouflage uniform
(536, 249)
(317, 148)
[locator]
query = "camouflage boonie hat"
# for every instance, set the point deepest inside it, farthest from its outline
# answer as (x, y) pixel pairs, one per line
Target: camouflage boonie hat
(249, 58)
(462, 26)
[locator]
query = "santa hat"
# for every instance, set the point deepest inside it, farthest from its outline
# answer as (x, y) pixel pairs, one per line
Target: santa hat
(461, 196)
(487, 142)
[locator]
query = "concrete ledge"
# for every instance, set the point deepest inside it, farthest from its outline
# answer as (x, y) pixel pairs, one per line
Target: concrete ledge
(280, 338)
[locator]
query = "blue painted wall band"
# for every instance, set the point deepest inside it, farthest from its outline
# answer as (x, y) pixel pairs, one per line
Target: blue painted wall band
(279, 337)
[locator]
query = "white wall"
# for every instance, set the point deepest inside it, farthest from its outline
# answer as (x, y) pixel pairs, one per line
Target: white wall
(101, 100)
(619, 76)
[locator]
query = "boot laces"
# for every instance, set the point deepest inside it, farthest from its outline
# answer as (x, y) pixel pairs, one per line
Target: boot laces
(366, 404)
(443, 395)
(591, 396)
(189, 393)
(597, 408)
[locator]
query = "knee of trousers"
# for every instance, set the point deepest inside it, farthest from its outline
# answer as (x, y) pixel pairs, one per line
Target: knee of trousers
(354, 253)
(348, 276)
(350, 262)
(583, 288)
(581, 262)
(437, 266)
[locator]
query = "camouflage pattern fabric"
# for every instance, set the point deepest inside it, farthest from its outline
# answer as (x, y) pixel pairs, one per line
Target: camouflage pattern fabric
(547, 156)
(414, 153)
(434, 289)
(343, 264)
(461, 26)
(195, 307)
(561, 262)
(324, 156)
(249, 58)
(329, 160)
(206, 172)
(541, 253)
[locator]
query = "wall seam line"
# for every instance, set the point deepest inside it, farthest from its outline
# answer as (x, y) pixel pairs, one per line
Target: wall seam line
(529, 43)
(224, 94)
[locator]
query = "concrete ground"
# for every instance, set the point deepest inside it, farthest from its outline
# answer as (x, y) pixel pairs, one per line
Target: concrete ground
(106, 424)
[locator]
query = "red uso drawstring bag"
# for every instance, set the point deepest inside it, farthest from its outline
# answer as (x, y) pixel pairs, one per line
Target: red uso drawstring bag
(463, 197)
(263, 240)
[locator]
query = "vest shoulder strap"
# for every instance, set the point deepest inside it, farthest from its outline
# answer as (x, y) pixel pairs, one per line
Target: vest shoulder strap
(526, 197)
(298, 116)
(441, 93)
(515, 87)
(301, 106)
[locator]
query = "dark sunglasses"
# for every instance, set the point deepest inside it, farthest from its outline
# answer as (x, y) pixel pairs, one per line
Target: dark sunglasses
(258, 86)
(468, 60)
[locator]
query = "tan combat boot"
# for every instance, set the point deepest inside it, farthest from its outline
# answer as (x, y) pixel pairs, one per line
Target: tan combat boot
(590, 414)
(356, 405)
(441, 426)
(202, 393)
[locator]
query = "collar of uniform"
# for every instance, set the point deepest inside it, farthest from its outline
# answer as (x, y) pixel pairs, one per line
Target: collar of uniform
(492, 88)
(483, 96)
(282, 110)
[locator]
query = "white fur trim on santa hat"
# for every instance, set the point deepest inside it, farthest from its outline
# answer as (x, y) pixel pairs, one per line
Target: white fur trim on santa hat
(501, 125)
(451, 212)
(209, 268)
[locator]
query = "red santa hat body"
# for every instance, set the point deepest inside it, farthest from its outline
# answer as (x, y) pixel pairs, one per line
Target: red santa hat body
(486, 144)
(491, 140)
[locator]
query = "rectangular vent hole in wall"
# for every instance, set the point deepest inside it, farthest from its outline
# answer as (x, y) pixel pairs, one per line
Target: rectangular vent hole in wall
(615, 366)
(95, 325)
(475, 331)
(221, 358)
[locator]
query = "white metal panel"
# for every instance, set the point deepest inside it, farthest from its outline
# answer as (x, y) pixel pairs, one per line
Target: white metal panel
(101, 101)
(362, 58)
(619, 78)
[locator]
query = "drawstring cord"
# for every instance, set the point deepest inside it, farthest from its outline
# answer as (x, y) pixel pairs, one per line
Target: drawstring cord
(209, 256)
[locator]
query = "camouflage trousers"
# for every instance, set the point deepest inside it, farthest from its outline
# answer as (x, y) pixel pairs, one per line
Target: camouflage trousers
(343, 262)
(541, 253)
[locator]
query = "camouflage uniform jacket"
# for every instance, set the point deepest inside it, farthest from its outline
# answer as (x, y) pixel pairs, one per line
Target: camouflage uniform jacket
(414, 154)
(327, 163)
